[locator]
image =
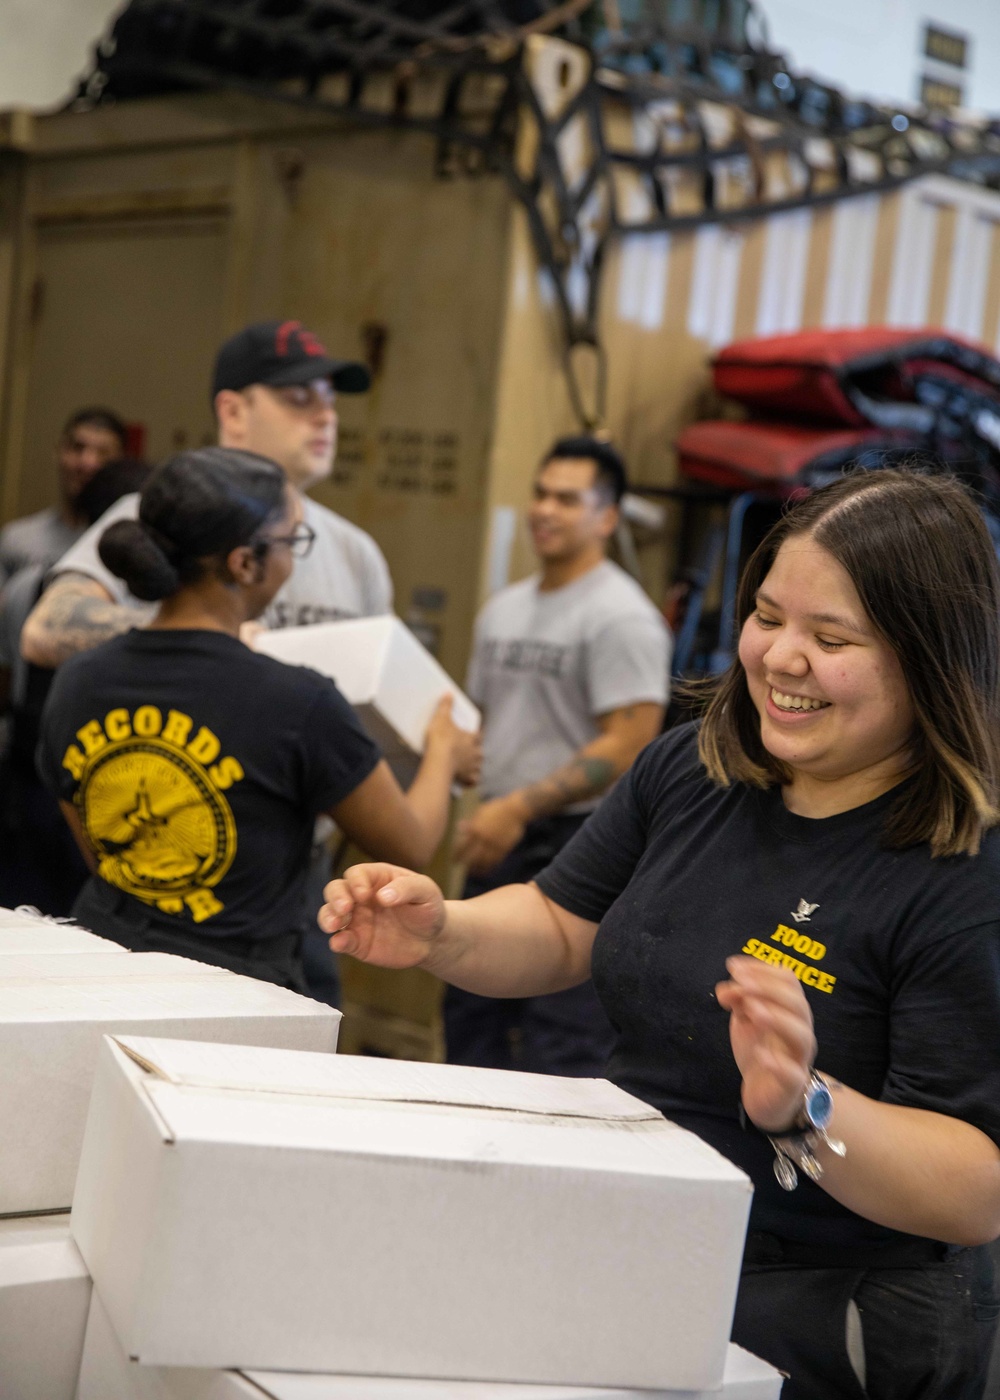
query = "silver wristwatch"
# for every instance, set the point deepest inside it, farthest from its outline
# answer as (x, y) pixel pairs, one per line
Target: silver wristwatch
(797, 1147)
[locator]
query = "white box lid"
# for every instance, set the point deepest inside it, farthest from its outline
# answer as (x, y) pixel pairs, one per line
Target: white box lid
(120, 991)
(114, 964)
(287, 1098)
(23, 932)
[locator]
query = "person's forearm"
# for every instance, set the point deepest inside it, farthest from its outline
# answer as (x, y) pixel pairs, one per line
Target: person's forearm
(429, 799)
(912, 1170)
(76, 827)
(588, 773)
(506, 943)
(70, 617)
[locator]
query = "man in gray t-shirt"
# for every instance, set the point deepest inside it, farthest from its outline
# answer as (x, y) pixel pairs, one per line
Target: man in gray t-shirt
(571, 669)
(89, 439)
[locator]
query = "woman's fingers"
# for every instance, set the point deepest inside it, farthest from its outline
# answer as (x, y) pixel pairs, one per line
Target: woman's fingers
(405, 888)
(345, 940)
(772, 1024)
(356, 886)
(364, 881)
(382, 913)
(771, 1029)
(767, 1018)
(762, 979)
(338, 908)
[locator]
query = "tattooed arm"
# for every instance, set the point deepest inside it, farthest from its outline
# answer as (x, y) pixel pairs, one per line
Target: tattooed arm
(74, 614)
(498, 825)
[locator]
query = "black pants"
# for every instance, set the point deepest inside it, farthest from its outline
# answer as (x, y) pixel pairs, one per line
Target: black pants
(563, 1033)
(917, 1326)
(113, 914)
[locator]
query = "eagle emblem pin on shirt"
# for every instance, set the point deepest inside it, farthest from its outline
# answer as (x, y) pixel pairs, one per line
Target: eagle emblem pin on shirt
(802, 913)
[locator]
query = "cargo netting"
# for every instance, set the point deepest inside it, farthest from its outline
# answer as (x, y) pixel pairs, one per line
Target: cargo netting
(647, 116)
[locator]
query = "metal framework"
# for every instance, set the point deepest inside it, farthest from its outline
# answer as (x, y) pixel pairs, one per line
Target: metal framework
(664, 114)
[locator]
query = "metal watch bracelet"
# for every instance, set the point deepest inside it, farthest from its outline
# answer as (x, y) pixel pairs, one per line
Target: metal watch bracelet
(797, 1148)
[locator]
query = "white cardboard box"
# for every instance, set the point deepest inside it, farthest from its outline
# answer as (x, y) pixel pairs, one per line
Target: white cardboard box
(267, 1210)
(108, 1374)
(54, 1011)
(44, 1296)
(21, 932)
(388, 676)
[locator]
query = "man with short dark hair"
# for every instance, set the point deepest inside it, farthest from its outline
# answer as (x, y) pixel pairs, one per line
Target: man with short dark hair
(90, 438)
(571, 669)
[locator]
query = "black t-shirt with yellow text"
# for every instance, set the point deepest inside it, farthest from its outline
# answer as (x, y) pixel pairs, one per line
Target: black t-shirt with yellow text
(197, 768)
(898, 955)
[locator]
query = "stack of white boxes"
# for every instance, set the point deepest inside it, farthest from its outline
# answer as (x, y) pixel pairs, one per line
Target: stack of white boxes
(398, 1231)
(61, 989)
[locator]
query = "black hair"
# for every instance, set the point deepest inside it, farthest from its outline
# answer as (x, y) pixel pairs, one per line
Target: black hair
(196, 507)
(115, 479)
(610, 476)
(97, 418)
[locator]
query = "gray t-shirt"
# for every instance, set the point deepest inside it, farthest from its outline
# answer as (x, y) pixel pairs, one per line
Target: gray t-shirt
(35, 539)
(546, 664)
(345, 574)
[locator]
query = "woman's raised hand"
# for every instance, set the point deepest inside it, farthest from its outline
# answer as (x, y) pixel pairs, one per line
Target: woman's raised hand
(383, 914)
(465, 750)
(771, 1032)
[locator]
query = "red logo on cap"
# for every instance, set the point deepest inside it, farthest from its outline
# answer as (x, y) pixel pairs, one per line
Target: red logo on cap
(308, 343)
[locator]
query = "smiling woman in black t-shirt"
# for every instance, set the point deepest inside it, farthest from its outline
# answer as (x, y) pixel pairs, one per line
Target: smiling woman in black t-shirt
(192, 769)
(828, 837)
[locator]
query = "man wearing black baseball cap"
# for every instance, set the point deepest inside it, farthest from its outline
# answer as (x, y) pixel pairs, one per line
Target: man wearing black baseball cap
(274, 392)
(274, 388)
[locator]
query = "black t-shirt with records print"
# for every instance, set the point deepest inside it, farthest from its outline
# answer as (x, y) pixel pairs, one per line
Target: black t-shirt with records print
(198, 768)
(899, 955)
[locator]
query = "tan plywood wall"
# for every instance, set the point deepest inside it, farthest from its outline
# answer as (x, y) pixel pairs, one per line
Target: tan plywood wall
(141, 247)
(376, 243)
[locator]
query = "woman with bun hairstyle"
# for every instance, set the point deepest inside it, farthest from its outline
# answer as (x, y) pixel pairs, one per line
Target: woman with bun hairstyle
(791, 912)
(190, 768)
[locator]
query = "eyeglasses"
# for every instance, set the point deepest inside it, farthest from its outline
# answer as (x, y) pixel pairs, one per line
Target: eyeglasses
(317, 394)
(299, 542)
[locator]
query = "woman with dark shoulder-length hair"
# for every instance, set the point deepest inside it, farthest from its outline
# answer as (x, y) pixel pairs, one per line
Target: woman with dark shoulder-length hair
(192, 769)
(826, 837)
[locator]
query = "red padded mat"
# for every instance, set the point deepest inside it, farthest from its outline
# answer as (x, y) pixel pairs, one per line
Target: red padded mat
(774, 458)
(811, 374)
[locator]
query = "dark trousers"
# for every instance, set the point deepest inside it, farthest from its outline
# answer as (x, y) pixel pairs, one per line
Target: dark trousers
(111, 913)
(563, 1033)
(919, 1326)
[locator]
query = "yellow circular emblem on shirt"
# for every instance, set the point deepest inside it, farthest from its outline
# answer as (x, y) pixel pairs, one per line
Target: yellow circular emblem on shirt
(157, 823)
